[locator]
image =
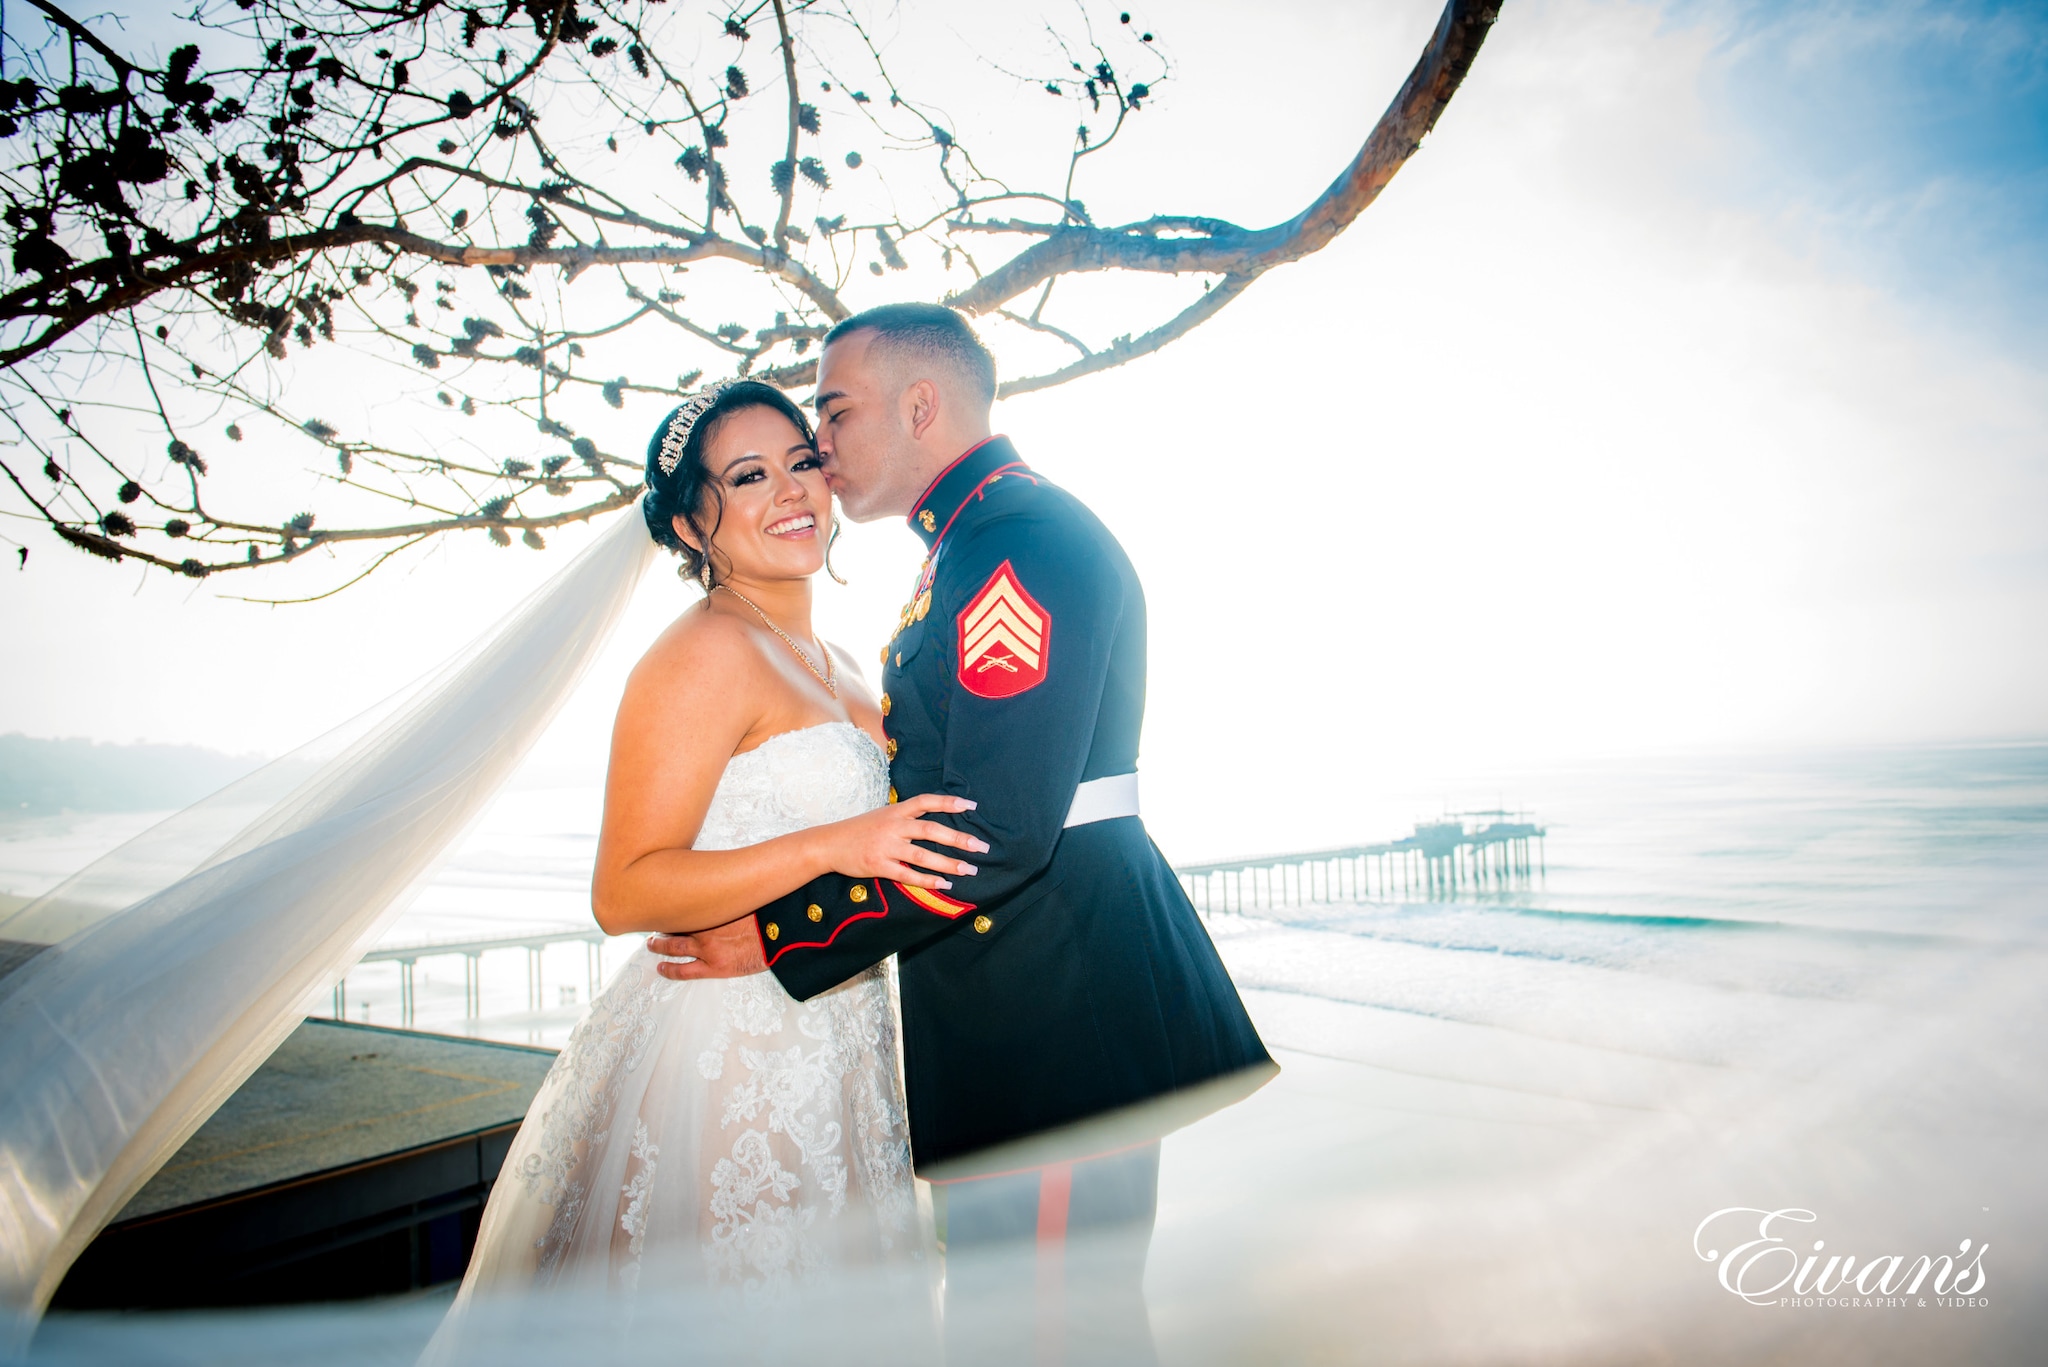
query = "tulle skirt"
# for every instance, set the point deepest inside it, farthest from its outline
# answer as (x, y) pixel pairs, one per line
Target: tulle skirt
(718, 1131)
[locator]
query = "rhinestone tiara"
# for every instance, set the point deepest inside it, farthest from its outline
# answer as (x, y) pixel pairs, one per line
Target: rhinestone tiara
(680, 426)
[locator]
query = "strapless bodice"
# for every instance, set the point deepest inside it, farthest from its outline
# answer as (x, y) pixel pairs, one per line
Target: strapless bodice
(794, 780)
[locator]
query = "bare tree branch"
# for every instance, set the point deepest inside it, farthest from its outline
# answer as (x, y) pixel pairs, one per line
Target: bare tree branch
(382, 203)
(1125, 349)
(786, 168)
(1222, 248)
(120, 64)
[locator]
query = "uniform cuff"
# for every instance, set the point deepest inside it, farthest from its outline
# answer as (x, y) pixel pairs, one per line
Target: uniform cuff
(812, 918)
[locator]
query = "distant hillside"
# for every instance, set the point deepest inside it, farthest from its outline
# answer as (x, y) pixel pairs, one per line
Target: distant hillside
(39, 777)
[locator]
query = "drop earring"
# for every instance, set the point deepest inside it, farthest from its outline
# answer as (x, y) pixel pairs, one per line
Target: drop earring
(704, 574)
(830, 542)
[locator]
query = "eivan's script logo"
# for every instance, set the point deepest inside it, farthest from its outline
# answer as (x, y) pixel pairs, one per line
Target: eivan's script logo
(1767, 1270)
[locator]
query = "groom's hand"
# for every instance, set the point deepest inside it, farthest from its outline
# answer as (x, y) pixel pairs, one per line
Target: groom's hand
(732, 950)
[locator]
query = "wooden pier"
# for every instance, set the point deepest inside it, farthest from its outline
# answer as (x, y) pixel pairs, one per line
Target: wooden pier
(533, 941)
(1497, 852)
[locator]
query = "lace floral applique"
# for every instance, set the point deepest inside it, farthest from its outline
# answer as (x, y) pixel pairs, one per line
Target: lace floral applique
(576, 1103)
(878, 1131)
(633, 1201)
(633, 1196)
(753, 1006)
(764, 1215)
(761, 1245)
(791, 1085)
(842, 773)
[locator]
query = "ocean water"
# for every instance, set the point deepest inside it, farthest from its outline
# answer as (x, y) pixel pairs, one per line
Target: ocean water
(524, 869)
(1747, 982)
(1507, 1118)
(1802, 872)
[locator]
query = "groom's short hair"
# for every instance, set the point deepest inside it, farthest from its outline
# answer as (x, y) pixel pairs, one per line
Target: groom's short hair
(926, 332)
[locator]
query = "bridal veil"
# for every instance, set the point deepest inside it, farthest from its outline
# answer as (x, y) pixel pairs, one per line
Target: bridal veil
(139, 994)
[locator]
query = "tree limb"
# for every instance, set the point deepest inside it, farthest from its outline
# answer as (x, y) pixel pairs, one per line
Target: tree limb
(1125, 349)
(144, 281)
(121, 65)
(788, 192)
(1230, 250)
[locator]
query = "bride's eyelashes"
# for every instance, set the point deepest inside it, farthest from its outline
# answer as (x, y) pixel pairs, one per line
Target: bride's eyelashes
(752, 474)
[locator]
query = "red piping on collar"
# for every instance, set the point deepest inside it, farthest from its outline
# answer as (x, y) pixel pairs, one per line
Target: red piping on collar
(987, 480)
(911, 516)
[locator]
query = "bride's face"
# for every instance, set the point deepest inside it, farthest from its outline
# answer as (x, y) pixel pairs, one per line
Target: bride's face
(778, 509)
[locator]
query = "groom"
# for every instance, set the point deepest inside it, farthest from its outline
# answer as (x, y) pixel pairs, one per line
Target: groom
(1070, 977)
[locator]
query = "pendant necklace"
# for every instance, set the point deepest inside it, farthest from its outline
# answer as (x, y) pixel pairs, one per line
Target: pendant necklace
(828, 676)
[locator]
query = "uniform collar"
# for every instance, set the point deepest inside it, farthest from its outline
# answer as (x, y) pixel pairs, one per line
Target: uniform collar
(957, 483)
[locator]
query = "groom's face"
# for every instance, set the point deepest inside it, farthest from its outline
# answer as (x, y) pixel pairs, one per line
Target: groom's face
(862, 432)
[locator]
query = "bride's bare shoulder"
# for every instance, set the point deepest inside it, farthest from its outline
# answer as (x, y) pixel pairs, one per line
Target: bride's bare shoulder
(699, 651)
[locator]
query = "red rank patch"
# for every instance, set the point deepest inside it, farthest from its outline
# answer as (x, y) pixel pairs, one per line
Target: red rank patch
(1005, 639)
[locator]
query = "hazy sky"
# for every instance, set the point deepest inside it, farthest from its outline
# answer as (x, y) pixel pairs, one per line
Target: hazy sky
(1685, 391)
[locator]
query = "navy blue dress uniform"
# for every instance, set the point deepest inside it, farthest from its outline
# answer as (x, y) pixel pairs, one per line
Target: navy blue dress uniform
(1070, 976)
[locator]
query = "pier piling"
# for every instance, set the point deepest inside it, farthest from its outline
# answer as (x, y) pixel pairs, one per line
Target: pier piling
(1497, 852)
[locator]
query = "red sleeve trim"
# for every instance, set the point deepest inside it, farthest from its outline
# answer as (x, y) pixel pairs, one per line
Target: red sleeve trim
(935, 901)
(820, 944)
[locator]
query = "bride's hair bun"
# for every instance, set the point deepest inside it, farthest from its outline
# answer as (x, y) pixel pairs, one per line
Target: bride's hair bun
(687, 490)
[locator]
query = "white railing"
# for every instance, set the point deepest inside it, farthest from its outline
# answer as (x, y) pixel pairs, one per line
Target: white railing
(472, 950)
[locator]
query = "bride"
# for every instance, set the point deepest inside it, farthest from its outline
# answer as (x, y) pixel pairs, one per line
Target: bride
(720, 1117)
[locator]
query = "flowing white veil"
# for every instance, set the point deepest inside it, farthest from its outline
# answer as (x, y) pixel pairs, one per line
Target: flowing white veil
(140, 993)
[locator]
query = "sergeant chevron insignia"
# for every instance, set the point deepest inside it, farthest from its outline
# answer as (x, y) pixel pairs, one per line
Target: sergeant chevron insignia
(1005, 638)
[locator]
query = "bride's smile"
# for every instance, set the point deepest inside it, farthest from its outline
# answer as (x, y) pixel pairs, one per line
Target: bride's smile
(762, 508)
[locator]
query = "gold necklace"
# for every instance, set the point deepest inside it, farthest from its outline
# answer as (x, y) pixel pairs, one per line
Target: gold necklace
(828, 676)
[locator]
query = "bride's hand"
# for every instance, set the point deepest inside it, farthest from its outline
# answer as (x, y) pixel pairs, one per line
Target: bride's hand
(878, 844)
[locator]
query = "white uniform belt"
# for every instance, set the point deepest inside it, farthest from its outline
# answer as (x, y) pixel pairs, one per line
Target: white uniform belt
(1102, 799)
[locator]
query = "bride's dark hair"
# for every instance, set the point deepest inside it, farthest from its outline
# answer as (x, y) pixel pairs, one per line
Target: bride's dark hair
(689, 491)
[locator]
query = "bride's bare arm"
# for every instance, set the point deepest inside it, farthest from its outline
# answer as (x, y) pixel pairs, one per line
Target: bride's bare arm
(690, 703)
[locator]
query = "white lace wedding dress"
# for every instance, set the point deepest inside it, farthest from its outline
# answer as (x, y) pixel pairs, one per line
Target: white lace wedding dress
(718, 1128)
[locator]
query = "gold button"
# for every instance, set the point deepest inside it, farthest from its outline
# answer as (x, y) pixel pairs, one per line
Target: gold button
(773, 930)
(885, 704)
(930, 523)
(857, 893)
(891, 747)
(884, 657)
(924, 604)
(899, 659)
(815, 912)
(892, 793)
(981, 925)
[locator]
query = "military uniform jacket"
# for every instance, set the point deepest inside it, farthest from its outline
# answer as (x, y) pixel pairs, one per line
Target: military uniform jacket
(1070, 976)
